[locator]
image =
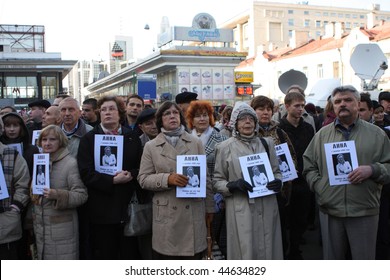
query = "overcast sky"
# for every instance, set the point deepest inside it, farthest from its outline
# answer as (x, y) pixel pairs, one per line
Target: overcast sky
(82, 29)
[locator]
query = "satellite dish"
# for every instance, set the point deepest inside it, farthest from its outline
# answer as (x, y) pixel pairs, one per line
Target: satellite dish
(369, 63)
(321, 90)
(292, 77)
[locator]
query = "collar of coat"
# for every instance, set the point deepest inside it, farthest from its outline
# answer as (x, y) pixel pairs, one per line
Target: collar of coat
(161, 140)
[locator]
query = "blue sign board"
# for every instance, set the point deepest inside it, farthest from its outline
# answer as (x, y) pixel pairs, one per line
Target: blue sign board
(147, 88)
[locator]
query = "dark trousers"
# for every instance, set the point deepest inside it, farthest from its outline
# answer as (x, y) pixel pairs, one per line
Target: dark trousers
(383, 237)
(298, 217)
(9, 251)
(109, 243)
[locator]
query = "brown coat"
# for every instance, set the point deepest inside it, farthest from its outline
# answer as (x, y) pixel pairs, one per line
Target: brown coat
(179, 227)
(55, 221)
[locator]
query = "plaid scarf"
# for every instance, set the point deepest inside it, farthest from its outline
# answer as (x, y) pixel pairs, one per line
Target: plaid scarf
(8, 161)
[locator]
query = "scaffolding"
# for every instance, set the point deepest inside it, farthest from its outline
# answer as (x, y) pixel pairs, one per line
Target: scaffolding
(23, 38)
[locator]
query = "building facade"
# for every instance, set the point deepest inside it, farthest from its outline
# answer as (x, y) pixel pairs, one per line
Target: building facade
(27, 72)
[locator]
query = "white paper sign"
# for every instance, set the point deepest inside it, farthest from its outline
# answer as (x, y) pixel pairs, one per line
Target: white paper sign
(17, 146)
(341, 159)
(286, 164)
(3, 186)
(257, 171)
(35, 137)
(108, 153)
(194, 167)
(41, 176)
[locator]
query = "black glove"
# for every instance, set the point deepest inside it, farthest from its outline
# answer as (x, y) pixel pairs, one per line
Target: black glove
(239, 185)
(275, 185)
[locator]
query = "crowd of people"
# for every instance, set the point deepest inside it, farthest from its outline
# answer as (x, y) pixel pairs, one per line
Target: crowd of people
(303, 164)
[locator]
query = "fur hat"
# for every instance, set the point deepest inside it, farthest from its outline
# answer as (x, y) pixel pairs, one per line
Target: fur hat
(241, 109)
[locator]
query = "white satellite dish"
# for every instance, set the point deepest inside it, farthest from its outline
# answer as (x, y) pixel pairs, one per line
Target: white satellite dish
(321, 90)
(369, 63)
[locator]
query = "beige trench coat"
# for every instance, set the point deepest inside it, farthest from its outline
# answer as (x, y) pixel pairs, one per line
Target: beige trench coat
(56, 221)
(253, 225)
(179, 226)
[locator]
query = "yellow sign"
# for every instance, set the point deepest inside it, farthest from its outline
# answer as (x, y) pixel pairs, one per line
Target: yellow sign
(243, 77)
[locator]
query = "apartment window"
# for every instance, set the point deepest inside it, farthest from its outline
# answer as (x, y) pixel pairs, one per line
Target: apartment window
(354, 16)
(317, 14)
(362, 16)
(290, 12)
(290, 33)
(306, 13)
(326, 22)
(347, 15)
(318, 34)
(333, 14)
(305, 71)
(318, 23)
(355, 24)
(320, 71)
(307, 23)
(325, 14)
(245, 36)
(336, 69)
(290, 22)
(348, 25)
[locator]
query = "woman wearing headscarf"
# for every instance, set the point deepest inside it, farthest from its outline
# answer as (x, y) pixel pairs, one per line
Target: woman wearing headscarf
(179, 224)
(253, 223)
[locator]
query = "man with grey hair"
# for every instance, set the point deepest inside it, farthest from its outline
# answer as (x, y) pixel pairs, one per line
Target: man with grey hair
(71, 123)
(349, 213)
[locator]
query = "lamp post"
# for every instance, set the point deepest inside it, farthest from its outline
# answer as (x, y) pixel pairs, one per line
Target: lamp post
(134, 80)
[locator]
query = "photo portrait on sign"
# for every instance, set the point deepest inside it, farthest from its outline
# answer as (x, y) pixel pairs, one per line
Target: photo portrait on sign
(283, 165)
(192, 172)
(258, 175)
(109, 155)
(41, 175)
(342, 163)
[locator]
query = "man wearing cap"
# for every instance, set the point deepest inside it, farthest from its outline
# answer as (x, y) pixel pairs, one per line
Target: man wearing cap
(184, 99)
(384, 100)
(37, 109)
(146, 121)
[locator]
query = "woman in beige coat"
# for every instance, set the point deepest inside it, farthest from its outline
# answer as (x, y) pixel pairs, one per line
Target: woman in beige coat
(253, 225)
(54, 213)
(179, 225)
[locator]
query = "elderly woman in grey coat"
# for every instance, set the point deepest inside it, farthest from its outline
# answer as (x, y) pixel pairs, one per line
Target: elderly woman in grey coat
(179, 225)
(54, 213)
(253, 224)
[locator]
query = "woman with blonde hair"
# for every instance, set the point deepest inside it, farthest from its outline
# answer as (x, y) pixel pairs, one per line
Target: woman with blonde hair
(55, 217)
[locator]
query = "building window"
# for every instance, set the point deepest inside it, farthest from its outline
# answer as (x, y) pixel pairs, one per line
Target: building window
(348, 25)
(306, 13)
(333, 14)
(326, 22)
(318, 23)
(317, 14)
(362, 16)
(290, 22)
(320, 71)
(307, 23)
(354, 16)
(347, 15)
(340, 15)
(290, 34)
(318, 34)
(325, 14)
(49, 87)
(290, 12)
(20, 87)
(245, 36)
